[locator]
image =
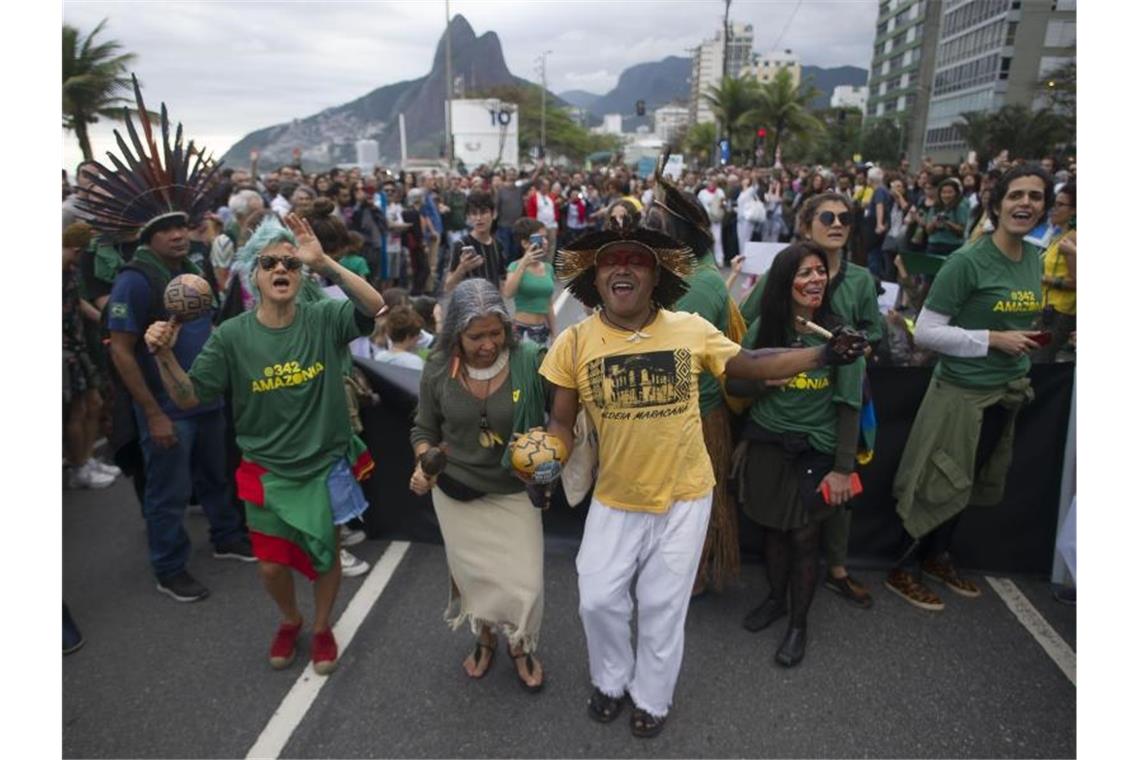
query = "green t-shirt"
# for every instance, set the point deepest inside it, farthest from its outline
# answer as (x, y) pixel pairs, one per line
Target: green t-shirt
(959, 215)
(806, 403)
(708, 297)
(356, 264)
(290, 410)
(854, 301)
(533, 295)
(980, 289)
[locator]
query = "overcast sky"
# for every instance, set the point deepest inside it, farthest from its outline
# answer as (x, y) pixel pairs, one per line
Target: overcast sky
(227, 68)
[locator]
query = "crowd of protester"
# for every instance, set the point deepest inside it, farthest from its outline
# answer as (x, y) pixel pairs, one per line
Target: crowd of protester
(420, 238)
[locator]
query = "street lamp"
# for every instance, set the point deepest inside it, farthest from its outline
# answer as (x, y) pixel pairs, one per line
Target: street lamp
(541, 60)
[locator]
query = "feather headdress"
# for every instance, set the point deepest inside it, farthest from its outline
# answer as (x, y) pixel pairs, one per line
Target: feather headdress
(575, 264)
(145, 186)
(685, 217)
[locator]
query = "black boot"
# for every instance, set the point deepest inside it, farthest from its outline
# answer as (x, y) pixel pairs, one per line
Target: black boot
(767, 613)
(792, 650)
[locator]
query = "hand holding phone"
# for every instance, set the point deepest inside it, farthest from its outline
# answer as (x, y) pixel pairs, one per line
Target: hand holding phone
(855, 484)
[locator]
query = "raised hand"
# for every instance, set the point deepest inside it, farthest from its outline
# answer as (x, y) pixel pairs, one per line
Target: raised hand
(309, 249)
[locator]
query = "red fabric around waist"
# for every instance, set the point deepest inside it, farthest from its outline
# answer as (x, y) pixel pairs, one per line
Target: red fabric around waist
(248, 480)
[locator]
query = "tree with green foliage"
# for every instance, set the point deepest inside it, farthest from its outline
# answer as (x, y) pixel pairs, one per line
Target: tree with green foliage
(784, 110)
(881, 141)
(730, 102)
(1025, 133)
(840, 141)
(94, 76)
(563, 135)
(700, 141)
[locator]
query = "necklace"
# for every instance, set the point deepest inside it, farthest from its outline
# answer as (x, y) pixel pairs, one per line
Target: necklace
(635, 335)
(488, 438)
(489, 372)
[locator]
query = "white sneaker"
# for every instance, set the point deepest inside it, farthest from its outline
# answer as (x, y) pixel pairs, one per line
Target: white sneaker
(351, 565)
(350, 537)
(86, 476)
(105, 467)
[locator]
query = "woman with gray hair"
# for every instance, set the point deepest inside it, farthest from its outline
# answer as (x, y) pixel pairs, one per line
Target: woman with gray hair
(243, 204)
(479, 386)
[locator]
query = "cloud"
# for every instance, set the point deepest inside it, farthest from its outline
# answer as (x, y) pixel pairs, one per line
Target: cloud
(230, 68)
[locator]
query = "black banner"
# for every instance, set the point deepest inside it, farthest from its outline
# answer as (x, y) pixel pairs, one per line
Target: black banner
(1015, 536)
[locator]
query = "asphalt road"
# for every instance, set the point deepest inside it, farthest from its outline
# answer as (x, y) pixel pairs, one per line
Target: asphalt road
(162, 679)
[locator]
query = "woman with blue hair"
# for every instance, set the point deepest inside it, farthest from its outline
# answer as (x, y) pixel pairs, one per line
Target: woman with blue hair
(282, 362)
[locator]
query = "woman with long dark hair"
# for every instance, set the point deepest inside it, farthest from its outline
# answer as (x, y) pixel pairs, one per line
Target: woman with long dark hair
(479, 386)
(802, 433)
(946, 223)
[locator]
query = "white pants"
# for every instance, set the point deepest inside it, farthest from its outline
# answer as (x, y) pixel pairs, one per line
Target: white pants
(744, 230)
(663, 550)
(718, 248)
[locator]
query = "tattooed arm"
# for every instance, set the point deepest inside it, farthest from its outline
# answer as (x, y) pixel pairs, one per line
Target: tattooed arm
(160, 338)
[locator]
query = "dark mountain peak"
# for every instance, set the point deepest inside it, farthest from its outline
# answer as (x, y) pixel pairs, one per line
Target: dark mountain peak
(461, 29)
(479, 60)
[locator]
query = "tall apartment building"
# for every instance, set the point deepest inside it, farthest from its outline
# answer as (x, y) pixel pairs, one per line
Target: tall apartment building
(849, 96)
(709, 65)
(764, 66)
(993, 53)
(668, 121)
(902, 67)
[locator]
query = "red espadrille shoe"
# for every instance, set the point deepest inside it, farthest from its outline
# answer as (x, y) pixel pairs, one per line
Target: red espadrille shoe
(284, 646)
(324, 652)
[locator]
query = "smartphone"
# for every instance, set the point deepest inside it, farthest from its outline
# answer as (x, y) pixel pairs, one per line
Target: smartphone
(856, 488)
(538, 239)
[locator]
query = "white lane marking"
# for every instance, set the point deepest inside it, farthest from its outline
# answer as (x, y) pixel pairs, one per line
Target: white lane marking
(1028, 616)
(559, 302)
(300, 698)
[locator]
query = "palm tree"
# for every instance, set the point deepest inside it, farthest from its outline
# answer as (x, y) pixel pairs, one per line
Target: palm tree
(94, 73)
(699, 140)
(729, 102)
(783, 109)
(974, 128)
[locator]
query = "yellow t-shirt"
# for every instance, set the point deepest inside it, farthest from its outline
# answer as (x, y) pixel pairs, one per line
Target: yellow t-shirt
(1054, 265)
(642, 397)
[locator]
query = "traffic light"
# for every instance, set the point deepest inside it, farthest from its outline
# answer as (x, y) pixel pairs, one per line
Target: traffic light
(761, 133)
(640, 108)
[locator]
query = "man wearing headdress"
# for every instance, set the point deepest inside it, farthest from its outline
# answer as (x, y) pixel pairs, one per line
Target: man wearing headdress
(183, 451)
(634, 365)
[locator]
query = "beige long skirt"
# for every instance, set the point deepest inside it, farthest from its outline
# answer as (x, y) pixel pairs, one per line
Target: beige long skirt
(494, 554)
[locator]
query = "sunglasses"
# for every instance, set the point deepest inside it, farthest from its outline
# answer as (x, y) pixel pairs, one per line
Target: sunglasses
(627, 258)
(828, 218)
(269, 263)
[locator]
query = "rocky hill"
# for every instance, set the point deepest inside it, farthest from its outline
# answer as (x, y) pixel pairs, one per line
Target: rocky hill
(329, 137)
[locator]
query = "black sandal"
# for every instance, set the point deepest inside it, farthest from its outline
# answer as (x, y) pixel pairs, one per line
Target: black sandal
(645, 725)
(532, 688)
(604, 708)
(477, 655)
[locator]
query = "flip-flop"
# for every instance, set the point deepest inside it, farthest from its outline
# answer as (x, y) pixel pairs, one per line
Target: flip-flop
(532, 688)
(477, 655)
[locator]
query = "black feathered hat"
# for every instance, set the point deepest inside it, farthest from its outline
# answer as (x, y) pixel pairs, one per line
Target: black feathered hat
(575, 265)
(687, 217)
(149, 188)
